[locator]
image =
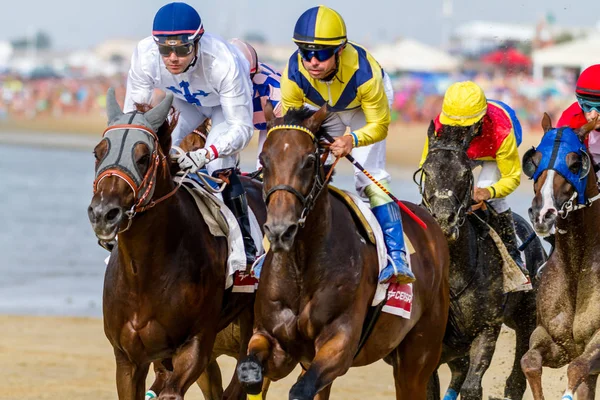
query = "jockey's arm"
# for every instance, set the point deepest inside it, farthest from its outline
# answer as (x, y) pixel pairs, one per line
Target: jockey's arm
(235, 96)
(375, 106)
(292, 95)
(140, 84)
(425, 152)
(509, 164)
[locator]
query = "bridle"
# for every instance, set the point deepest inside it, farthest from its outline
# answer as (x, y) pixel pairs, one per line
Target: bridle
(319, 181)
(142, 187)
(463, 204)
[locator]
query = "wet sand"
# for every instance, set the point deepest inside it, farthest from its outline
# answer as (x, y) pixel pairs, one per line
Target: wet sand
(70, 358)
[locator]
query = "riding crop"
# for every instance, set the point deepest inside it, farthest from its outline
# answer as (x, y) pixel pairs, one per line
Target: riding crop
(380, 186)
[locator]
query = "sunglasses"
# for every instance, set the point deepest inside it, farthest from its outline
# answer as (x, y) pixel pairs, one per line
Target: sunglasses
(180, 51)
(321, 55)
(588, 105)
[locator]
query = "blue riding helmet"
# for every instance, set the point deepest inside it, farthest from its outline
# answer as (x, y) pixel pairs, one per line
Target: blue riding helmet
(554, 147)
(177, 24)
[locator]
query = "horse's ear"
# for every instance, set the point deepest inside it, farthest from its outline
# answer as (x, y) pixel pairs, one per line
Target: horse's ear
(314, 122)
(431, 132)
(586, 129)
(113, 109)
(269, 113)
(158, 114)
(546, 123)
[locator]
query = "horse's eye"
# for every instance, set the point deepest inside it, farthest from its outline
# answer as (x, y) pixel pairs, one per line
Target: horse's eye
(310, 161)
(575, 167)
(144, 159)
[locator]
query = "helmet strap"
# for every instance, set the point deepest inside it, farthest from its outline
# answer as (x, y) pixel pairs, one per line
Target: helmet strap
(195, 55)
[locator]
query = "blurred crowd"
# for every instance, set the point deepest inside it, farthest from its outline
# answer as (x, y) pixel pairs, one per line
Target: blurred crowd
(418, 97)
(30, 98)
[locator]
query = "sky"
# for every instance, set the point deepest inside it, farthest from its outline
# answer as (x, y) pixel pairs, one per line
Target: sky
(81, 24)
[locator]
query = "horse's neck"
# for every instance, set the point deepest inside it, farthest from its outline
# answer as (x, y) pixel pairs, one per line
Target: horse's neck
(148, 238)
(312, 240)
(577, 235)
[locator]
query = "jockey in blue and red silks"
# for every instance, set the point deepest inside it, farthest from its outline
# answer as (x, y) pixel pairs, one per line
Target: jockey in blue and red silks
(209, 78)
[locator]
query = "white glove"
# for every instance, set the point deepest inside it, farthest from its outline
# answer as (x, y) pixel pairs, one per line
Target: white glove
(194, 160)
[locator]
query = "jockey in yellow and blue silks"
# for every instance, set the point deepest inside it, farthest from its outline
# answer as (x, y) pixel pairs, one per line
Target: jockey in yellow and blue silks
(327, 69)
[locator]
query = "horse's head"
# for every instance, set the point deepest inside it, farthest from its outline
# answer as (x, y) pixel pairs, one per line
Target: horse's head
(131, 166)
(448, 180)
(560, 167)
(292, 173)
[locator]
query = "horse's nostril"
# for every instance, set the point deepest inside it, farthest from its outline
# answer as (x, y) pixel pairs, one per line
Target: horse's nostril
(289, 233)
(113, 214)
(549, 214)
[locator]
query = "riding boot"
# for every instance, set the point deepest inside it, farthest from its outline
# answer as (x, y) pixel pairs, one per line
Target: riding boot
(234, 197)
(388, 216)
(505, 227)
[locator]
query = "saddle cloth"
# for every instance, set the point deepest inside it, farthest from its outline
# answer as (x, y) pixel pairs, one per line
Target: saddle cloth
(222, 222)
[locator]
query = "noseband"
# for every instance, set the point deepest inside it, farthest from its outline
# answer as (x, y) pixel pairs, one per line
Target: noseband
(307, 201)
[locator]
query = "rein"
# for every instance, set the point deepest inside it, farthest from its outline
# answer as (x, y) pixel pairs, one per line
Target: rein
(307, 201)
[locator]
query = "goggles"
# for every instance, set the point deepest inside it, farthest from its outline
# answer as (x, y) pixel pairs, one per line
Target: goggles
(180, 50)
(321, 54)
(587, 105)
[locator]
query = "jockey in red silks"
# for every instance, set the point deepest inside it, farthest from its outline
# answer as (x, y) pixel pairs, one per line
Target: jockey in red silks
(586, 108)
(494, 148)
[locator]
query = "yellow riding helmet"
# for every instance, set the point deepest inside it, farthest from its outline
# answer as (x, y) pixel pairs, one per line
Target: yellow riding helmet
(320, 26)
(464, 104)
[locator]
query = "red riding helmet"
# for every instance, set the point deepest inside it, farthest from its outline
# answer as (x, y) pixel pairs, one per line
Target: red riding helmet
(588, 84)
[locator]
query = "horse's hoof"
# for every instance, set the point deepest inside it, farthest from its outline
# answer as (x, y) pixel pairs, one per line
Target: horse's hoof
(249, 373)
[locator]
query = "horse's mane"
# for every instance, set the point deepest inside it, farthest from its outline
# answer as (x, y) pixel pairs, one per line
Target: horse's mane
(170, 123)
(295, 116)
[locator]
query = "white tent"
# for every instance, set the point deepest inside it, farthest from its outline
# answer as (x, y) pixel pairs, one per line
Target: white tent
(410, 55)
(580, 54)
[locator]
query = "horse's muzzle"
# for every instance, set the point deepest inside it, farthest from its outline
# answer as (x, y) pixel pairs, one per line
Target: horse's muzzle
(542, 224)
(281, 235)
(105, 219)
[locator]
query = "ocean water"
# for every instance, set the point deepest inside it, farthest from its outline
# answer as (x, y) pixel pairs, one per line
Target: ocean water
(50, 263)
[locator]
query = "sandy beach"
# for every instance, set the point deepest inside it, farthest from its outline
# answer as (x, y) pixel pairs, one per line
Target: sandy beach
(69, 358)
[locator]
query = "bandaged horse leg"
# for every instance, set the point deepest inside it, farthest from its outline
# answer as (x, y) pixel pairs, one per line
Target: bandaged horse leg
(234, 197)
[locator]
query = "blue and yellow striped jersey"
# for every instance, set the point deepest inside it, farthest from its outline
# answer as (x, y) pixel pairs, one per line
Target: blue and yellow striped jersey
(358, 83)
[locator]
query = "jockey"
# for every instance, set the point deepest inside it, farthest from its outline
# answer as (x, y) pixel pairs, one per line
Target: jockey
(209, 79)
(586, 108)
(327, 69)
(494, 147)
(265, 82)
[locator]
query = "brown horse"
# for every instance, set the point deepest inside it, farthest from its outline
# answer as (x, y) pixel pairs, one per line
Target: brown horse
(320, 275)
(568, 324)
(164, 292)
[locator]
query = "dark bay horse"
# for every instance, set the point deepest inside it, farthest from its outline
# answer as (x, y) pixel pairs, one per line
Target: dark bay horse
(320, 275)
(478, 305)
(568, 325)
(164, 292)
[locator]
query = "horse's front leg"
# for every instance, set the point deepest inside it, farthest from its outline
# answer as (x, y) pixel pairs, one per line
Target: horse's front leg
(542, 351)
(581, 367)
(210, 382)
(188, 364)
(459, 368)
(265, 358)
(162, 371)
(480, 358)
(333, 358)
(131, 378)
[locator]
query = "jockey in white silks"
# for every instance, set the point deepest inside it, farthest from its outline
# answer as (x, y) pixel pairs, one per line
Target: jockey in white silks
(209, 78)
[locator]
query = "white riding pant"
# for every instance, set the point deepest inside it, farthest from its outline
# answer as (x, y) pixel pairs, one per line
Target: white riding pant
(489, 175)
(190, 117)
